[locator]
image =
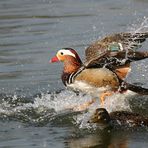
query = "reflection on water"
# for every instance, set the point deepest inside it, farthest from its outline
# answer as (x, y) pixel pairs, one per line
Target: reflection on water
(108, 139)
(101, 139)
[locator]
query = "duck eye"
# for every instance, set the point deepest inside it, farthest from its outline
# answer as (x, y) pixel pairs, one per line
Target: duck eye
(62, 53)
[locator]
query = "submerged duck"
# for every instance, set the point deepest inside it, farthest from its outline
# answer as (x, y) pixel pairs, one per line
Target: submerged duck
(107, 64)
(118, 118)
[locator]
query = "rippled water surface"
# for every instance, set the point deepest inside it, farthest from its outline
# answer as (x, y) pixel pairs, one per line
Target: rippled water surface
(33, 100)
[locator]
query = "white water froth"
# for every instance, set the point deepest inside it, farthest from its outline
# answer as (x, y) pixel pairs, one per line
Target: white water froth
(113, 103)
(139, 26)
(68, 99)
(65, 100)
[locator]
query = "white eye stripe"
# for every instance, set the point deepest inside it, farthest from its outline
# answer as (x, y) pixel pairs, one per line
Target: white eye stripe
(66, 52)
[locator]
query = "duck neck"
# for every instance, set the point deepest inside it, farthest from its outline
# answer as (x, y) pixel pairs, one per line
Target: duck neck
(71, 65)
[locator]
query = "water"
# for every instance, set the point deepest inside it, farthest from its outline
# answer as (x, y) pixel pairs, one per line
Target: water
(34, 105)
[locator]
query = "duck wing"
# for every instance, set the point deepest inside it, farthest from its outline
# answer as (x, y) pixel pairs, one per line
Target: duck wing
(137, 89)
(116, 50)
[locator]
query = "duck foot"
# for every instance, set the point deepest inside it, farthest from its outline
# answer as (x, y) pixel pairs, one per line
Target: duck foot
(103, 95)
(84, 106)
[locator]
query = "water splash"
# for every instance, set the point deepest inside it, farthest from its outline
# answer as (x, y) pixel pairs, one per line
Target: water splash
(42, 108)
(56, 108)
(113, 103)
(139, 26)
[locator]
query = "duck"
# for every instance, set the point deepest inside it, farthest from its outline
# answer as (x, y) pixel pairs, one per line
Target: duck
(107, 64)
(118, 119)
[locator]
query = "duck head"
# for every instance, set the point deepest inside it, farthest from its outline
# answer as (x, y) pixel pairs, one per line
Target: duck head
(70, 57)
(100, 116)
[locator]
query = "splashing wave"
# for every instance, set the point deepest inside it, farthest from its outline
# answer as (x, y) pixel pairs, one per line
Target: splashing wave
(56, 108)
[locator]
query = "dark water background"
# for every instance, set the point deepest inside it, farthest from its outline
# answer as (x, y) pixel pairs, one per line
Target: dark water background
(32, 95)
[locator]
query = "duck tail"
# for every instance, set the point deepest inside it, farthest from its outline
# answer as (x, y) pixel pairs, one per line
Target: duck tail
(137, 89)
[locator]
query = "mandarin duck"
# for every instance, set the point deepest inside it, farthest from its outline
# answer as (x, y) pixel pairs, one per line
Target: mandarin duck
(98, 74)
(118, 118)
